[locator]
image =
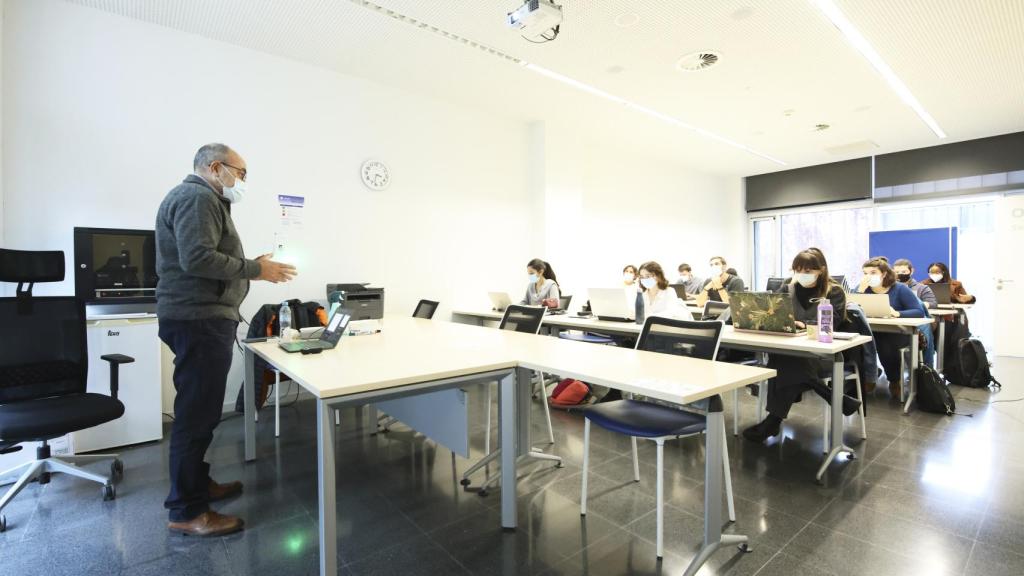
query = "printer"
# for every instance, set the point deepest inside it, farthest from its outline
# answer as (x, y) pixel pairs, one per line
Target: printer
(365, 302)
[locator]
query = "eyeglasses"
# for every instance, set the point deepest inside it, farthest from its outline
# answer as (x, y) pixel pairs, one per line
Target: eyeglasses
(242, 172)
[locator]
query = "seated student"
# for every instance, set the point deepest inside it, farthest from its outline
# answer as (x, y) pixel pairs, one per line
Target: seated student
(938, 273)
(629, 276)
(543, 285)
(796, 375)
(880, 279)
(659, 298)
(690, 281)
(904, 271)
(720, 283)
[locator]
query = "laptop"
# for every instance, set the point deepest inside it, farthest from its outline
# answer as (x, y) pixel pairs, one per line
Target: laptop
(612, 304)
(329, 338)
(942, 295)
(874, 305)
(499, 300)
(681, 292)
(764, 313)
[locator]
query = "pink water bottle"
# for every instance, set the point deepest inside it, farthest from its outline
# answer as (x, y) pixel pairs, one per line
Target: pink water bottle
(825, 321)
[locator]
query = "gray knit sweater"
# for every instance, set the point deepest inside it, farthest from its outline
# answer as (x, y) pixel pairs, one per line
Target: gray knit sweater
(203, 272)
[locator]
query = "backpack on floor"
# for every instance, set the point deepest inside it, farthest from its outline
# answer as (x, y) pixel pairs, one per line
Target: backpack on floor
(956, 331)
(974, 365)
(932, 393)
(569, 392)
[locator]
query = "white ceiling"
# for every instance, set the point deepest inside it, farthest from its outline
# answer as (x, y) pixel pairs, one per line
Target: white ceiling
(962, 59)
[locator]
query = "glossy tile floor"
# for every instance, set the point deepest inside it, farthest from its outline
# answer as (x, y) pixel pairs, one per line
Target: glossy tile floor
(926, 495)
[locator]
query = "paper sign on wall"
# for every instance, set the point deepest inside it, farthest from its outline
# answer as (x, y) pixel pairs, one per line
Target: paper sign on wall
(290, 211)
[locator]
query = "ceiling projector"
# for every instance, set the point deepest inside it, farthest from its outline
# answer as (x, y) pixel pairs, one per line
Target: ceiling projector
(535, 18)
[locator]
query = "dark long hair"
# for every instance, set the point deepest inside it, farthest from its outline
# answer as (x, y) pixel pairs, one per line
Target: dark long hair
(941, 266)
(659, 274)
(544, 268)
(811, 260)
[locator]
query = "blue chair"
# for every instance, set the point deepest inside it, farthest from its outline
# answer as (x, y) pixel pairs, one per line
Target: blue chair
(659, 421)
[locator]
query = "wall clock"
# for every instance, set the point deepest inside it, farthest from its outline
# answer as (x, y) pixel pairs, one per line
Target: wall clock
(376, 175)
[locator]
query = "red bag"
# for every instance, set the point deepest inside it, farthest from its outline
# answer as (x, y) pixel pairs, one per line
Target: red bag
(551, 303)
(569, 392)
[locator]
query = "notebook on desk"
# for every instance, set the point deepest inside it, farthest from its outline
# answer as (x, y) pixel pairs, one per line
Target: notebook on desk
(764, 313)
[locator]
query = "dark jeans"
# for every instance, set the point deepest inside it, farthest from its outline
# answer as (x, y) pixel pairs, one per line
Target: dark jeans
(202, 357)
(795, 376)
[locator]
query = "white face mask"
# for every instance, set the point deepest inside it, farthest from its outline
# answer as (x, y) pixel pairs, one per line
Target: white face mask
(874, 280)
(628, 278)
(648, 282)
(935, 277)
(233, 194)
(716, 270)
(533, 278)
(684, 278)
(807, 280)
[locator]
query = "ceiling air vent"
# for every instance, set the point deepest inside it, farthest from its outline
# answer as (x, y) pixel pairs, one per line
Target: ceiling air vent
(697, 61)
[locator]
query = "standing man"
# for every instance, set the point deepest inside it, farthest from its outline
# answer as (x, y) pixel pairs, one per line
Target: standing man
(204, 276)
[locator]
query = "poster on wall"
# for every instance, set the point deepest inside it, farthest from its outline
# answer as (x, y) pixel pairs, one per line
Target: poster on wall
(290, 208)
(288, 233)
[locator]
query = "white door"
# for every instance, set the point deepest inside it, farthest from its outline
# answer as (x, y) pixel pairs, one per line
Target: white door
(1009, 281)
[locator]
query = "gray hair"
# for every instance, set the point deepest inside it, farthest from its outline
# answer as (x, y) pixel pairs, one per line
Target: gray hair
(210, 153)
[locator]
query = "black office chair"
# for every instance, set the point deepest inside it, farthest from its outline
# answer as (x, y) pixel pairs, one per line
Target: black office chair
(425, 309)
(659, 421)
(43, 375)
(775, 284)
(525, 319)
(714, 310)
(563, 302)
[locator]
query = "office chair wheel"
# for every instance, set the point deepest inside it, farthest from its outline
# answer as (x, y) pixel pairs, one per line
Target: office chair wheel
(109, 492)
(745, 548)
(465, 481)
(3, 523)
(44, 477)
(117, 470)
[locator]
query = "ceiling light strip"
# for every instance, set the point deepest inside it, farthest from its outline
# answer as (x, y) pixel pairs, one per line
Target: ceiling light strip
(551, 74)
(857, 40)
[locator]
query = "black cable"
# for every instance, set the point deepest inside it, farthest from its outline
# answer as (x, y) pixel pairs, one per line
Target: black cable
(168, 415)
(991, 401)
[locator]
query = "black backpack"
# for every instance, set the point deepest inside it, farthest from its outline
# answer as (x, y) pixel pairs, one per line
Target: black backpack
(956, 331)
(974, 365)
(932, 393)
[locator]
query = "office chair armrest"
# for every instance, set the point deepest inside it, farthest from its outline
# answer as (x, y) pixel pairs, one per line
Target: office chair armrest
(115, 361)
(8, 447)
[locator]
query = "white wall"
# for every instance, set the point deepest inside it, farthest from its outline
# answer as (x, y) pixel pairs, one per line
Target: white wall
(105, 115)
(608, 204)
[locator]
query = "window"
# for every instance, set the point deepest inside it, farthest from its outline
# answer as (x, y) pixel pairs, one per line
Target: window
(841, 234)
(766, 253)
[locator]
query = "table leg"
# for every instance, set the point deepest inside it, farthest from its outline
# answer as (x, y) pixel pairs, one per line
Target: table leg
(327, 488)
(249, 411)
(508, 423)
(714, 439)
(915, 361)
(836, 445)
(940, 354)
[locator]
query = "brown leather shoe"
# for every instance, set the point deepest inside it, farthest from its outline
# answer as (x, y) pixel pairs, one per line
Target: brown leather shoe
(222, 491)
(208, 523)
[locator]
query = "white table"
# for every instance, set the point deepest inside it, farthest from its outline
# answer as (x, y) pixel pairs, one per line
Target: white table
(747, 341)
(413, 356)
(904, 326)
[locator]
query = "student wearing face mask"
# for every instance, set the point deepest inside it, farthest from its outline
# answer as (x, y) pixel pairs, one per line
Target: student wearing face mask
(629, 276)
(659, 298)
(905, 275)
(543, 286)
(690, 281)
(719, 283)
(879, 278)
(811, 284)
(938, 273)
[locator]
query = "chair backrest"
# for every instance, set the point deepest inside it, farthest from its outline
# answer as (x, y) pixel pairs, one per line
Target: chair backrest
(774, 284)
(425, 309)
(44, 346)
(564, 301)
(681, 337)
(713, 310)
(522, 319)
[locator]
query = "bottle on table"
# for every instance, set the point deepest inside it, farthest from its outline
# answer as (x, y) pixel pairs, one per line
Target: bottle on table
(825, 321)
(284, 318)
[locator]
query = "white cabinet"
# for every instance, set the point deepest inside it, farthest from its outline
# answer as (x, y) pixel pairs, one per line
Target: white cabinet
(140, 382)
